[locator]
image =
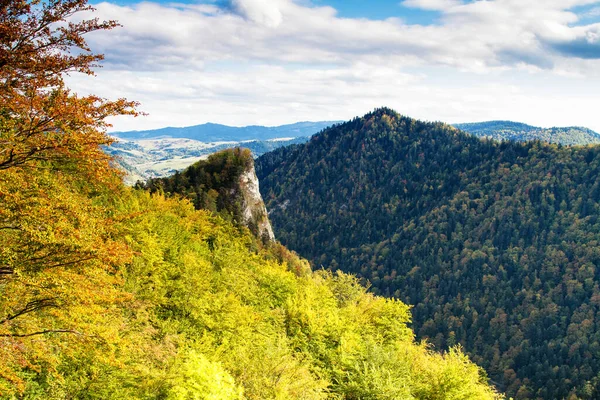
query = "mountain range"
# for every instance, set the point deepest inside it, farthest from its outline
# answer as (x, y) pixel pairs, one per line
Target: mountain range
(208, 133)
(161, 152)
(516, 131)
(495, 244)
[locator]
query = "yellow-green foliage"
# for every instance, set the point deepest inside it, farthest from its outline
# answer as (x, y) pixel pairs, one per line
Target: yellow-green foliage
(207, 313)
(240, 324)
(198, 378)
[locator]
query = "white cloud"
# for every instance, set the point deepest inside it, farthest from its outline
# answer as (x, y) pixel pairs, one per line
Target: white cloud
(276, 61)
(474, 35)
(264, 12)
(441, 5)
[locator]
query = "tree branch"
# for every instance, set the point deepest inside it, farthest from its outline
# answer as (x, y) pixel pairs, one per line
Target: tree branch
(42, 333)
(30, 307)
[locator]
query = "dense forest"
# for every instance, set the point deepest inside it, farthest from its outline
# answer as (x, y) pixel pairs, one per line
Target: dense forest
(109, 292)
(194, 308)
(494, 243)
(508, 130)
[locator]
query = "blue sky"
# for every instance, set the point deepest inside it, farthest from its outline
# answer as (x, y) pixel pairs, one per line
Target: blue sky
(380, 9)
(242, 62)
(372, 9)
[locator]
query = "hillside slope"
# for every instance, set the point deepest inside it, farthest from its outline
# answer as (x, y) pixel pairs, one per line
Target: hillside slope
(508, 130)
(126, 295)
(495, 244)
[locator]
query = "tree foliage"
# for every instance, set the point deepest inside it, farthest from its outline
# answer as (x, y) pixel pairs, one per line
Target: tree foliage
(266, 330)
(59, 246)
(40, 119)
(204, 313)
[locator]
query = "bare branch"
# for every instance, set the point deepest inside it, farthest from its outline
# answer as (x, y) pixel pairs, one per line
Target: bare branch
(32, 306)
(42, 333)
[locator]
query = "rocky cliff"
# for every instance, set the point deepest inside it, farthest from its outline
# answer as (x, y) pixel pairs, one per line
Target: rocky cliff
(225, 183)
(253, 206)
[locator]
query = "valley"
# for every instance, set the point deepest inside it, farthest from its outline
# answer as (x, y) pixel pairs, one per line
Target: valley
(159, 153)
(159, 157)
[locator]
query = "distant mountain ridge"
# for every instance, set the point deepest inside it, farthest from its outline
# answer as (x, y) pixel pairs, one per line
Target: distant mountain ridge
(499, 130)
(160, 152)
(210, 132)
(520, 132)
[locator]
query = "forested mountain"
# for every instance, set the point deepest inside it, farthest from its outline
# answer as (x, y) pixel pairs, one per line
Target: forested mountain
(508, 130)
(495, 244)
(108, 292)
(208, 133)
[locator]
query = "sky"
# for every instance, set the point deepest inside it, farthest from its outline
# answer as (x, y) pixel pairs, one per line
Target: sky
(272, 62)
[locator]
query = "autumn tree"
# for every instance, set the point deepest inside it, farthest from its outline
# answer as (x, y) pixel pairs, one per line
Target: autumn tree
(58, 240)
(40, 118)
